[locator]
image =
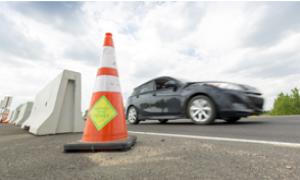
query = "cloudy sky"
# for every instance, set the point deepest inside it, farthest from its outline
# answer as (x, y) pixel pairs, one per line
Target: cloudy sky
(251, 43)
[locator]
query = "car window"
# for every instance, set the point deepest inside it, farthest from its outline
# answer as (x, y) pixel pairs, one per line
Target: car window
(136, 91)
(160, 83)
(147, 87)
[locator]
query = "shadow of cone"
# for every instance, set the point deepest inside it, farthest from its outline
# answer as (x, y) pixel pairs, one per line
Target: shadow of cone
(105, 126)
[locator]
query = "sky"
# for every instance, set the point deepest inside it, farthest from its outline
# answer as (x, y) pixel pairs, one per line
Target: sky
(254, 43)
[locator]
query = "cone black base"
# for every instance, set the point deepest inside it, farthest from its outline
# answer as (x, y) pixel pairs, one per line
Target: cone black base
(122, 145)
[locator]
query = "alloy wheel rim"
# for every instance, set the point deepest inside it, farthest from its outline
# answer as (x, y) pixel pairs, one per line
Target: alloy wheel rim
(200, 110)
(132, 115)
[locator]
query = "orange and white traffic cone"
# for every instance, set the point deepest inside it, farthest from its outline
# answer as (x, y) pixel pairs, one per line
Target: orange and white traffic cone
(105, 127)
(4, 117)
(5, 121)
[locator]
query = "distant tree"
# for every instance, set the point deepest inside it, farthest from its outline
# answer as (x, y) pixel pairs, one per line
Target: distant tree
(286, 104)
(295, 97)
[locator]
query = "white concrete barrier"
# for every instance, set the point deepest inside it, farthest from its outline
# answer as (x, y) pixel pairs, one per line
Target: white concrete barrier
(25, 110)
(57, 108)
(15, 115)
(10, 116)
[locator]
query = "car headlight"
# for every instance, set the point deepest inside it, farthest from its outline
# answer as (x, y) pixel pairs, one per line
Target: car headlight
(227, 86)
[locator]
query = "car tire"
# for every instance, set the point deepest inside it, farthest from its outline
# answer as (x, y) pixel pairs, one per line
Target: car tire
(132, 115)
(201, 110)
(232, 119)
(163, 121)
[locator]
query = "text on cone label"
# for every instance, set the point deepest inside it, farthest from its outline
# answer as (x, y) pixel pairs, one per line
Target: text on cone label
(102, 113)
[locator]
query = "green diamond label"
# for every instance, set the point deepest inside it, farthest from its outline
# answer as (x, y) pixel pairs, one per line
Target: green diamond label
(102, 113)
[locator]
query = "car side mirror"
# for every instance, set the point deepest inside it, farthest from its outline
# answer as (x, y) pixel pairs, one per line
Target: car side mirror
(171, 84)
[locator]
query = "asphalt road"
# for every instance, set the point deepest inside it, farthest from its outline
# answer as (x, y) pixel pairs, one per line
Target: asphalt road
(25, 156)
(283, 129)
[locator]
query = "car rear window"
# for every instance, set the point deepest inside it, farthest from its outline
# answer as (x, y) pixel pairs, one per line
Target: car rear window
(146, 88)
(136, 91)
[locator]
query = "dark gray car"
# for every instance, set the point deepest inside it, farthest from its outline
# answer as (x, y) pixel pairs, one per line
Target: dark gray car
(167, 98)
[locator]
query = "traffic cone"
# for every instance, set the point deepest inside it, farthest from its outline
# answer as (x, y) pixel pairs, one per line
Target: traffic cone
(105, 126)
(4, 117)
(5, 121)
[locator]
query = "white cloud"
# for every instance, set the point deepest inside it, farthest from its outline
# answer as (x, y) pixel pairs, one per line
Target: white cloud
(195, 40)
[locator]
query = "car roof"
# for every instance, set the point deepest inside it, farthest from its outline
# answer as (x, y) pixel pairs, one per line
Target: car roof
(161, 77)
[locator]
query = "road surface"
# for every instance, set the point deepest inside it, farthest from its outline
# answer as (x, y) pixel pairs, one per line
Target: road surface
(25, 156)
(285, 129)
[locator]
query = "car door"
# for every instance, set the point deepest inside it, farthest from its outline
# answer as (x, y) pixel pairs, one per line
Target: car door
(167, 100)
(144, 99)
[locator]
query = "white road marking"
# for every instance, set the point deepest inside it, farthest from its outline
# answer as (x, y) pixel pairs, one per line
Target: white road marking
(276, 143)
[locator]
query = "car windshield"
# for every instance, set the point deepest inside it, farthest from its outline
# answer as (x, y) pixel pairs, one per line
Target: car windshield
(182, 80)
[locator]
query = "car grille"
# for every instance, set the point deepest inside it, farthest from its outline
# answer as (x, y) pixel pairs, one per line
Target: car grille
(257, 102)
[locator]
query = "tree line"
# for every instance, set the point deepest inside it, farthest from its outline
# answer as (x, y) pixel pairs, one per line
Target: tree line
(287, 104)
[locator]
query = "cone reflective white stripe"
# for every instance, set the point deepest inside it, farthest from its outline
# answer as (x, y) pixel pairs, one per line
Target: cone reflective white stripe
(106, 83)
(108, 57)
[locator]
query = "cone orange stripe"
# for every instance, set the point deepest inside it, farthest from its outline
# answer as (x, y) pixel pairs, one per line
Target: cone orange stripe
(107, 71)
(108, 40)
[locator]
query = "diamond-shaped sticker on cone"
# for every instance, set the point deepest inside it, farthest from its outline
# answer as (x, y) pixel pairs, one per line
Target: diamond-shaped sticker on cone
(102, 113)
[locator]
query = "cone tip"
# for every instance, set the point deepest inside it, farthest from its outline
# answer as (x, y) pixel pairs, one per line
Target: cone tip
(108, 34)
(108, 40)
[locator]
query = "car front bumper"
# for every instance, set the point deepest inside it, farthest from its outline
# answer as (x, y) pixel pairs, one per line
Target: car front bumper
(240, 104)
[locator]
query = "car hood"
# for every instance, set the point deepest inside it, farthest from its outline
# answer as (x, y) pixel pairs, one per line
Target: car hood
(242, 87)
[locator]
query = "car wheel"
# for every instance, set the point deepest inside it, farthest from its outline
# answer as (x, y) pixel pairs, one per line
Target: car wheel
(132, 115)
(232, 119)
(201, 110)
(163, 121)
